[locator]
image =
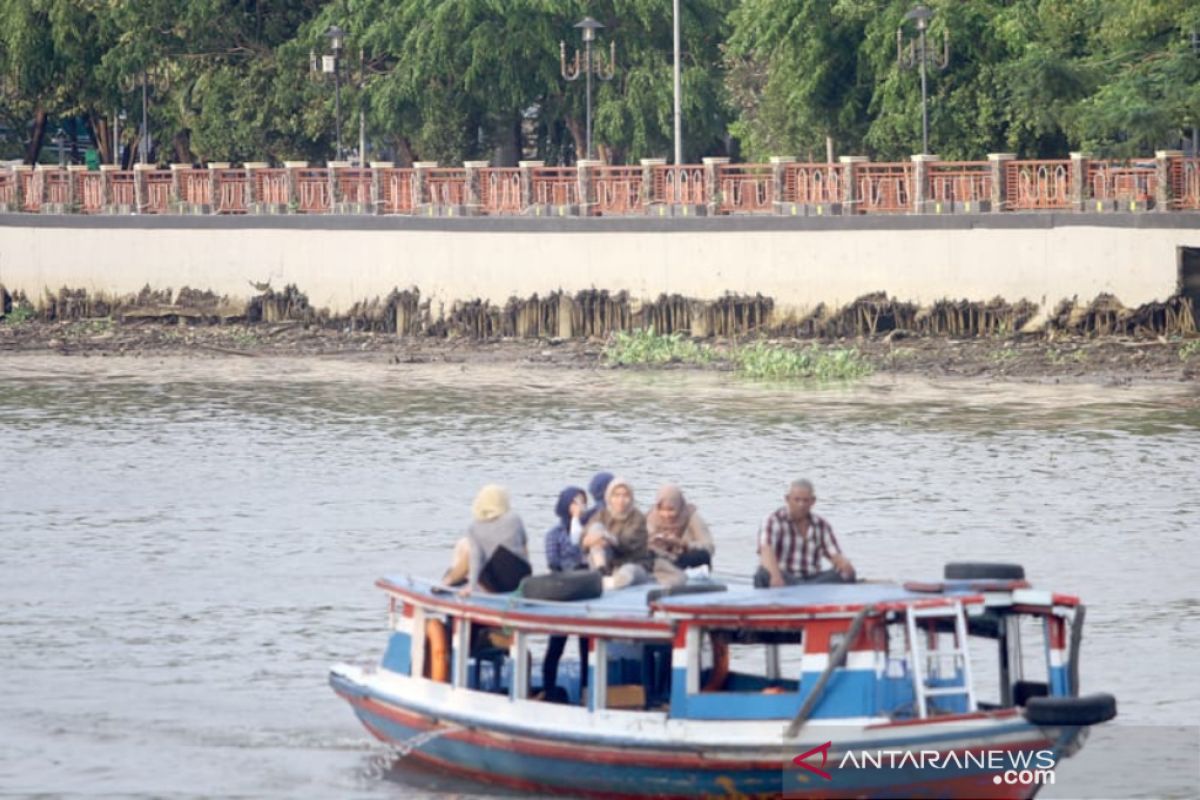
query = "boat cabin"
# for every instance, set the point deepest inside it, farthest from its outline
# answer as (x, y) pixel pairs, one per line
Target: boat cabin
(867, 651)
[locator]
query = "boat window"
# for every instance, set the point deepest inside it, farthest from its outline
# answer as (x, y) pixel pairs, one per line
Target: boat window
(751, 660)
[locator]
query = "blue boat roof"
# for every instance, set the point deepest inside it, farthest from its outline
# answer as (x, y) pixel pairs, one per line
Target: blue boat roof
(633, 602)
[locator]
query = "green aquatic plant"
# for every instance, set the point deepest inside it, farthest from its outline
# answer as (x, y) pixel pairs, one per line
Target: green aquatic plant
(762, 360)
(17, 315)
(645, 346)
(1189, 349)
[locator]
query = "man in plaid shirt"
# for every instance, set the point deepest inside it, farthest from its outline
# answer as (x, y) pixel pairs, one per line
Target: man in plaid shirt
(793, 541)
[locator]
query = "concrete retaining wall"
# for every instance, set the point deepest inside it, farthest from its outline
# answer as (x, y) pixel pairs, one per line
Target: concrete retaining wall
(799, 262)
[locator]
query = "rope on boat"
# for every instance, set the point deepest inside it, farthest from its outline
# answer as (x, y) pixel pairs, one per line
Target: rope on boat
(835, 658)
(1076, 641)
(413, 742)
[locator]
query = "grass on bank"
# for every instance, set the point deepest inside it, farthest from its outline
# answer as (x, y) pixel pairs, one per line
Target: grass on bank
(758, 360)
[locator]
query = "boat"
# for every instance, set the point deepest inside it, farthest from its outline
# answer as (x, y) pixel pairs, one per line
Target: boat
(967, 686)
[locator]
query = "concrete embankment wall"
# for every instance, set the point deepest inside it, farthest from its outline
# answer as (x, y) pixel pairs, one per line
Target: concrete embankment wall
(797, 262)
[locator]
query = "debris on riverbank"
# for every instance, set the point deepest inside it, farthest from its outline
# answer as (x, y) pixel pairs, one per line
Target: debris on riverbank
(1050, 357)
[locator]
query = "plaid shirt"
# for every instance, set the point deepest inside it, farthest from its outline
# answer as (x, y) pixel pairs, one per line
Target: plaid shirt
(795, 553)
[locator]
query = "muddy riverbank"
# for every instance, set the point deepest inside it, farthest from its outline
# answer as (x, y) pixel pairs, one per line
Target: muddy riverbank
(1040, 358)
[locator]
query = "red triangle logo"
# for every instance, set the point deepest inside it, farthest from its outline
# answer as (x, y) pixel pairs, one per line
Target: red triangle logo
(801, 760)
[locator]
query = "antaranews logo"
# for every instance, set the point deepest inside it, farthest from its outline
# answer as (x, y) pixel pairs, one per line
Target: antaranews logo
(1011, 767)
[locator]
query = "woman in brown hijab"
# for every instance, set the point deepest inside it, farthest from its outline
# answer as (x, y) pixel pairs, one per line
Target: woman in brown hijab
(677, 532)
(616, 538)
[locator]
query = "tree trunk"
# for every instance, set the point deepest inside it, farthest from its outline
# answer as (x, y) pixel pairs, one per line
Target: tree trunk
(98, 124)
(181, 145)
(39, 134)
(404, 152)
(507, 135)
(579, 135)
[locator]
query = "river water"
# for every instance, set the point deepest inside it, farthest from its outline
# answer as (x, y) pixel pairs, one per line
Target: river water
(187, 545)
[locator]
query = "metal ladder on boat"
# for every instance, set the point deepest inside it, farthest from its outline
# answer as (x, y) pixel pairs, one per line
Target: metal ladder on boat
(918, 656)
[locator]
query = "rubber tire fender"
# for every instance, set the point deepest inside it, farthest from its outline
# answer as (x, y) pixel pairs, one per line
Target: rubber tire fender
(983, 570)
(563, 586)
(1089, 710)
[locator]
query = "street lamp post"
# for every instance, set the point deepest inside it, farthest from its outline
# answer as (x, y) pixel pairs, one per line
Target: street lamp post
(921, 58)
(332, 63)
(678, 85)
(572, 71)
(144, 140)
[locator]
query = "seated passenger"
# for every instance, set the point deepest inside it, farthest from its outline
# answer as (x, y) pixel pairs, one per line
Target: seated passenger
(677, 532)
(496, 547)
(616, 539)
(793, 541)
(596, 487)
(563, 554)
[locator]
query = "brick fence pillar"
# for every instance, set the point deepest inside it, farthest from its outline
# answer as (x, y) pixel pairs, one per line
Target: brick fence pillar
(851, 199)
(712, 182)
(474, 185)
(920, 200)
(106, 170)
(779, 167)
(1078, 197)
(141, 187)
(421, 197)
(293, 182)
(527, 168)
(999, 168)
(585, 171)
(1162, 178)
(648, 202)
(377, 194)
(214, 183)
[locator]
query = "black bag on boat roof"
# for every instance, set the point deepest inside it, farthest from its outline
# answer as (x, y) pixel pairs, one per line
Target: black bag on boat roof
(504, 571)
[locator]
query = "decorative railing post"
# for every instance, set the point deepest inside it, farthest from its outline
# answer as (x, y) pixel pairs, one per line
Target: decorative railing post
(920, 186)
(337, 201)
(41, 185)
(293, 182)
(1078, 197)
(141, 191)
(256, 198)
(851, 193)
(177, 175)
(74, 200)
(1162, 177)
(19, 171)
(214, 183)
(106, 192)
(652, 204)
(422, 202)
(712, 182)
(999, 165)
(586, 172)
(474, 187)
(779, 167)
(377, 190)
(527, 168)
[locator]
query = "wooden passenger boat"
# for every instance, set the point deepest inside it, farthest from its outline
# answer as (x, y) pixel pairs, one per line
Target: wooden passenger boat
(859, 690)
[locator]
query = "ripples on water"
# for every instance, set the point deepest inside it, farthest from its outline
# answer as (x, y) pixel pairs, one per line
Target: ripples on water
(189, 544)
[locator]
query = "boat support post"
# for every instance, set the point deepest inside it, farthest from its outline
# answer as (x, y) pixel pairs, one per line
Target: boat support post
(835, 658)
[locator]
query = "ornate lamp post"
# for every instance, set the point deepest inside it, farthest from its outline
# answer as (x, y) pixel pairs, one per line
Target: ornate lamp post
(332, 64)
(571, 71)
(921, 58)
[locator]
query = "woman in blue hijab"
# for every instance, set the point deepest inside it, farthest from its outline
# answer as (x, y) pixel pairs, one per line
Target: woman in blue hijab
(563, 554)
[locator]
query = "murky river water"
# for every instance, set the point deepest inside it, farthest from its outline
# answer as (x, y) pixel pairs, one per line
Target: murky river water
(185, 546)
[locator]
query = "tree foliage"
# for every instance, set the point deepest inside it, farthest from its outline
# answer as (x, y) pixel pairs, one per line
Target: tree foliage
(449, 80)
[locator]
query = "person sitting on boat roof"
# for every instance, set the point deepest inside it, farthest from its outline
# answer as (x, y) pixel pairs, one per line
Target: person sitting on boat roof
(616, 538)
(677, 532)
(793, 541)
(596, 487)
(563, 554)
(496, 549)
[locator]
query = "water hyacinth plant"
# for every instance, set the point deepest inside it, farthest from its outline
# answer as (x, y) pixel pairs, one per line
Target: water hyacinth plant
(647, 347)
(763, 360)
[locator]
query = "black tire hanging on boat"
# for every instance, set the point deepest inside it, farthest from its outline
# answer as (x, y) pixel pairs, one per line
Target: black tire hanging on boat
(563, 586)
(982, 570)
(1089, 710)
(685, 588)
